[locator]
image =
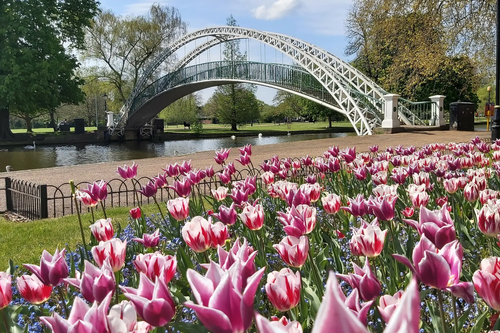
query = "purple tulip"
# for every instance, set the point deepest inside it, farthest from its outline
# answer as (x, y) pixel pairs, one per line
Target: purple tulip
(95, 284)
(160, 181)
(357, 207)
(239, 197)
(172, 170)
(221, 155)
(128, 172)
(382, 208)
(244, 159)
(98, 191)
(225, 177)
(149, 190)
(299, 220)
(185, 167)
(152, 301)
(52, 269)
(149, 240)
(364, 281)
(439, 269)
(182, 187)
(227, 215)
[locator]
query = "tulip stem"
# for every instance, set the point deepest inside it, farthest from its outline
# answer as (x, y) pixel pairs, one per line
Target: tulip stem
(455, 319)
(5, 321)
(81, 226)
(158, 205)
(441, 310)
(92, 211)
(103, 209)
(117, 284)
(143, 220)
(63, 301)
(317, 276)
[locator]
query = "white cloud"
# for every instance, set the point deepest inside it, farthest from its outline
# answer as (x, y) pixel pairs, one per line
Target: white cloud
(141, 8)
(276, 10)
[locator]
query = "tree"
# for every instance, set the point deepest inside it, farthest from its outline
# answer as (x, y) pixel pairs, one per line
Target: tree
(37, 73)
(124, 46)
(182, 110)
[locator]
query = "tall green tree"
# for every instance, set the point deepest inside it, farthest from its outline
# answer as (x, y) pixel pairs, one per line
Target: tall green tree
(185, 109)
(37, 72)
(124, 46)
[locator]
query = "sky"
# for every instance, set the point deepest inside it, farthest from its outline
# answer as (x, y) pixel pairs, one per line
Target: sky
(320, 22)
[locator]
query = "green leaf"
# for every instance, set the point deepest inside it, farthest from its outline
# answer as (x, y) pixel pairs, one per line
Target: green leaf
(479, 323)
(311, 296)
(463, 318)
(189, 327)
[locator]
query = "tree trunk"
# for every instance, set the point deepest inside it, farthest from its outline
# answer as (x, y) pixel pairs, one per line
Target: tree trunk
(52, 119)
(234, 121)
(5, 132)
(329, 121)
(29, 126)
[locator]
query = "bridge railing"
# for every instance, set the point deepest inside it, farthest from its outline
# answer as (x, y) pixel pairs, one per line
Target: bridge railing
(418, 113)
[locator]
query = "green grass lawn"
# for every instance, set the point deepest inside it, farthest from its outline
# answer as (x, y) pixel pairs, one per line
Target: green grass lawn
(23, 242)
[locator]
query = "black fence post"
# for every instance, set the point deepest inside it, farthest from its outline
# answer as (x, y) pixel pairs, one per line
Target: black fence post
(8, 193)
(44, 209)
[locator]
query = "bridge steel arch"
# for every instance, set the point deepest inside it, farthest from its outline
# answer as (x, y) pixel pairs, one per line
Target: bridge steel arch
(338, 77)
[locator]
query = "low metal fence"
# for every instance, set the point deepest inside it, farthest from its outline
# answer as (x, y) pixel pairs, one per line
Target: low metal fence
(25, 198)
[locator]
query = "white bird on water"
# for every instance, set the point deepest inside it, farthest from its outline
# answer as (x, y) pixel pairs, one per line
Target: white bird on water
(260, 135)
(8, 168)
(30, 146)
(233, 137)
(289, 133)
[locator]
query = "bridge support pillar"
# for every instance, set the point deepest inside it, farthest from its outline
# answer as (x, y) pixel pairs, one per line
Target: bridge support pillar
(391, 111)
(438, 109)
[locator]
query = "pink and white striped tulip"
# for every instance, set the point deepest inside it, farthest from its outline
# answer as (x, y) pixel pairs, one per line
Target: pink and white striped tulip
(154, 265)
(5, 290)
(196, 233)
(382, 208)
(488, 219)
(103, 230)
(178, 208)
(220, 193)
(85, 199)
(293, 250)
(368, 240)
(219, 234)
(487, 282)
(331, 203)
(32, 289)
(98, 191)
(114, 250)
(388, 305)
(283, 289)
(267, 177)
(282, 325)
(299, 220)
(487, 195)
(221, 155)
(471, 192)
(52, 269)
(253, 216)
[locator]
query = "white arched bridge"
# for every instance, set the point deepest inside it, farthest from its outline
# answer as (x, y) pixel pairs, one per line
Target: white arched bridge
(318, 75)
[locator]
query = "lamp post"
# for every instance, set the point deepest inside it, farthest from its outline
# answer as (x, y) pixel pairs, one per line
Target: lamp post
(495, 126)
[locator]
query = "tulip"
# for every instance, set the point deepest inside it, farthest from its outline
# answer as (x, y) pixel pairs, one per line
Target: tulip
(422, 178)
(379, 178)
(348, 154)
(221, 155)
(437, 226)
(244, 159)
(419, 198)
(408, 211)
(149, 240)
(357, 207)
(212, 293)
(185, 167)
(102, 230)
(196, 233)
(227, 215)
(32, 289)
(293, 250)
(224, 177)
(85, 199)
(488, 219)
(239, 197)
(368, 240)
(282, 325)
(218, 234)
(399, 175)
(149, 190)
(267, 177)
(128, 172)
(182, 187)
(382, 208)
(360, 173)
(253, 216)
(154, 265)
(299, 220)
(220, 194)
(95, 284)
(386, 191)
(364, 281)
(283, 289)
(196, 176)
(52, 269)
(178, 208)
(388, 305)
(486, 195)
(98, 191)
(331, 203)
(297, 197)
(160, 181)
(114, 250)
(439, 269)
(312, 191)
(441, 201)
(135, 213)
(209, 171)
(123, 314)
(152, 301)
(247, 149)
(471, 192)
(5, 290)
(487, 282)
(172, 170)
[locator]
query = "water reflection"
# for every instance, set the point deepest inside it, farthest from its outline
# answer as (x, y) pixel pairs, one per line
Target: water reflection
(49, 156)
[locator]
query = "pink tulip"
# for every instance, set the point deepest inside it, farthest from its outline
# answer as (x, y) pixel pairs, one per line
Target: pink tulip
(244, 159)
(98, 191)
(154, 265)
(209, 171)
(471, 192)
(5, 290)
(487, 282)
(293, 250)
(85, 199)
(312, 191)
(219, 234)
(52, 269)
(399, 175)
(382, 208)
(178, 208)
(267, 177)
(357, 207)
(102, 230)
(114, 250)
(196, 176)
(388, 305)
(227, 215)
(282, 325)
(253, 216)
(212, 293)
(221, 155)
(239, 196)
(220, 194)
(368, 240)
(437, 226)
(364, 281)
(83, 319)
(95, 284)
(135, 213)
(196, 233)
(386, 191)
(348, 154)
(379, 178)
(360, 173)
(149, 240)
(283, 289)
(439, 269)
(149, 190)
(128, 172)
(152, 301)
(331, 203)
(408, 211)
(172, 170)
(160, 181)
(488, 219)
(299, 220)
(185, 167)
(422, 178)
(182, 187)
(32, 289)
(123, 314)
(297, 197)
(487, 195)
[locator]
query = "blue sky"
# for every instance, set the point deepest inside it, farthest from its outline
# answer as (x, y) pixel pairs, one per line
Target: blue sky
(320, 22)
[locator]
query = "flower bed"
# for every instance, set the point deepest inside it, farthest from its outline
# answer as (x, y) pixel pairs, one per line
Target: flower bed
(402, 240)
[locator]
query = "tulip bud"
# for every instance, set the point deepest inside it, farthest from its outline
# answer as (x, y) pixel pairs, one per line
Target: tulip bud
(471, 192)
(135, 213)
(331, 203)
(5, 290)
(102, 230)
(32, 289)
(196, 233)
(52, 269)
(293, 250)
(488, 219)
(283, 289)
(220, 194)
(154, 265)
(114, 250)
(253, 216)
(368, 240)
(388, 305)
(178, 208)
